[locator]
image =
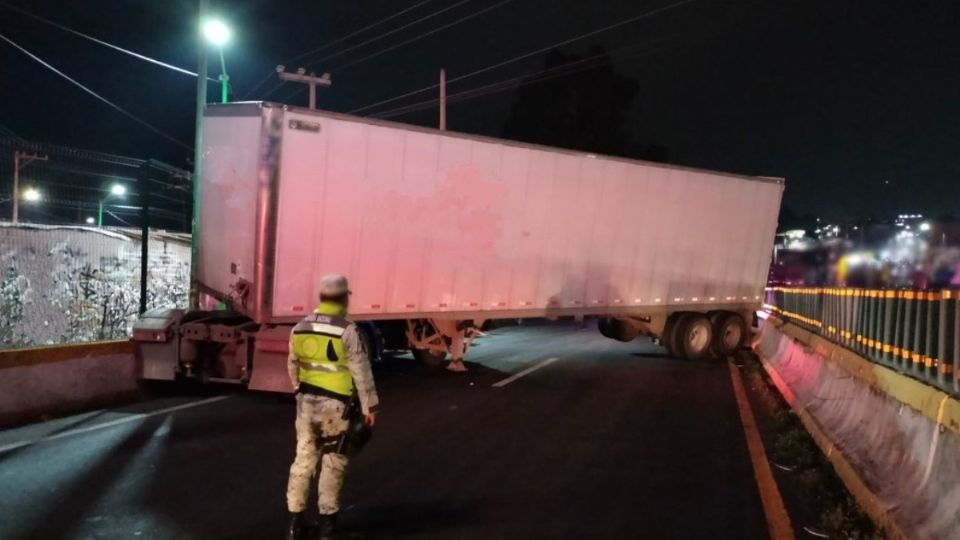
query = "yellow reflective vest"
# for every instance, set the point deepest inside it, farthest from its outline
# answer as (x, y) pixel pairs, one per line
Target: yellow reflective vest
(318, 344)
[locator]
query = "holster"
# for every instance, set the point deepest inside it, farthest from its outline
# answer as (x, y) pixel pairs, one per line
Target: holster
(357, 434)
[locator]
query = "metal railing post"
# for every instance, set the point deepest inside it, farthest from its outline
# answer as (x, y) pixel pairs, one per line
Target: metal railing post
(889, 311)
(902, 333)
(931, 353)
(918, 349)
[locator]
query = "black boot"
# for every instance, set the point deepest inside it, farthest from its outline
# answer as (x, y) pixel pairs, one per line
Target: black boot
(328, 527)
(295, 526)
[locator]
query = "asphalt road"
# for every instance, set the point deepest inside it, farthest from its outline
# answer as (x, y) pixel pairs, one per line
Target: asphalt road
(611, 440)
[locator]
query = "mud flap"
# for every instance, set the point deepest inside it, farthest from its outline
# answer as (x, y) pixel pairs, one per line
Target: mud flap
(269, 369)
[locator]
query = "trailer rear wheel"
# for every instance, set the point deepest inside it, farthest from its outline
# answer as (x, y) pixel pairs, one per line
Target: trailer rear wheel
(605, 326)
(729, 333)
(714, 317)
(669, 332)
(431, 359)
(617, 329)
(372, 340)
(692, 336)
(432, 350)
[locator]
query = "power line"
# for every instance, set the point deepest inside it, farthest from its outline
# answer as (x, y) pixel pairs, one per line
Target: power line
(336, 41)
(75, 153)
(507, 84)
(421, 36)
(524, 56)
(418, 38)
(391, 32)
(544, 74)
(136, 55)
(109, 103)
(118, 218)
(553, 72)
(380, 36)
(7, 132)
(499, 86)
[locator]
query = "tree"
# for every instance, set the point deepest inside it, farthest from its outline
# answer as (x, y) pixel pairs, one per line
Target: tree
(583, 111)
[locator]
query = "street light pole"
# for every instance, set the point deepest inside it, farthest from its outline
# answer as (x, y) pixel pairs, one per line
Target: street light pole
(224, 78)
(115, 190)
(198, 153)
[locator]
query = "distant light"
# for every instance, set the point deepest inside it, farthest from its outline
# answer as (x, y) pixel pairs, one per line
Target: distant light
(836, 229)
(856, 228)
(924, 227)
(32, 195)
(216, 32)
(91, 221)
(118, 189)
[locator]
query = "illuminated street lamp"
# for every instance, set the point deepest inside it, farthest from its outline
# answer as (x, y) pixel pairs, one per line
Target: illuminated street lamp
(91, 220)
(32, 195)
(116, 190)
(924, 227)
(218, 34)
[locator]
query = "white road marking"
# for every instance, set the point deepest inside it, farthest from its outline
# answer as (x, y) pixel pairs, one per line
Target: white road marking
(124, 420)
(524, 373)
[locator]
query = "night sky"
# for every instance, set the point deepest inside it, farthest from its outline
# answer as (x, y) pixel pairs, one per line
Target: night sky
(857, 104)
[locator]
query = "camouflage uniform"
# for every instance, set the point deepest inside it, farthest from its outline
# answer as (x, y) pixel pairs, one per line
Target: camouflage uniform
(320, 423)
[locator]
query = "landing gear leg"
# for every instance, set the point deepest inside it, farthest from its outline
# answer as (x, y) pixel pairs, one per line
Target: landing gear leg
(432, 339)
(457, 349)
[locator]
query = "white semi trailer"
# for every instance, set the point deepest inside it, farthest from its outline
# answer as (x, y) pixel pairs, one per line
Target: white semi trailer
(439, 232)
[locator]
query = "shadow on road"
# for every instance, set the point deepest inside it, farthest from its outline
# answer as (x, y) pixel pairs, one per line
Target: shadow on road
(407, 518)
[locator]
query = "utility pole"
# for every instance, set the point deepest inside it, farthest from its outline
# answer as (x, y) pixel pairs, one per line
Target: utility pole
(145, 187)
(443, 100)
(311, 80)
(17, 167)
(198, 153)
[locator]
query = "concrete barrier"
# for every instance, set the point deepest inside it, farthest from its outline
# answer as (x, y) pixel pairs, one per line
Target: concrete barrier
(894, 441)
(41, 382)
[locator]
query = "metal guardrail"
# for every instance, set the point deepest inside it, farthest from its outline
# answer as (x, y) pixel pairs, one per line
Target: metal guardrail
(914, 332)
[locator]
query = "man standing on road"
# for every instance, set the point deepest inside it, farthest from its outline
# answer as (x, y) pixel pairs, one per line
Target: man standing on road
(328, 365)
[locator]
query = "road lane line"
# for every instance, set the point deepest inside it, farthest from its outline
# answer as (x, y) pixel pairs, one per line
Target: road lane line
(524, 373)
(118, 421)
(778, 521)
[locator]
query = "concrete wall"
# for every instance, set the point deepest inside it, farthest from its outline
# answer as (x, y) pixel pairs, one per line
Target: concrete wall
(39, 383)
(893, 440)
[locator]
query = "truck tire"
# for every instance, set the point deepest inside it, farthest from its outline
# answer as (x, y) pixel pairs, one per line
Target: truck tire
(617, 329)
(605, 326)
(428, 358)
(714, 317)
(729, 334)
(372, 340)
(692, 336)
(669, 331)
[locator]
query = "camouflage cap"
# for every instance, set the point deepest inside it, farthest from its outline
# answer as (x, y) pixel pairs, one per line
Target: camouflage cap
(334, 285)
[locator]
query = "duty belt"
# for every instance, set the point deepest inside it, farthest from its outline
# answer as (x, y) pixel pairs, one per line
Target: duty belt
(312, 390)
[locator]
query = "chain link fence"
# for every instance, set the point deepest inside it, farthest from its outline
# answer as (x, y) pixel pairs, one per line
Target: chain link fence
(71, 229)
